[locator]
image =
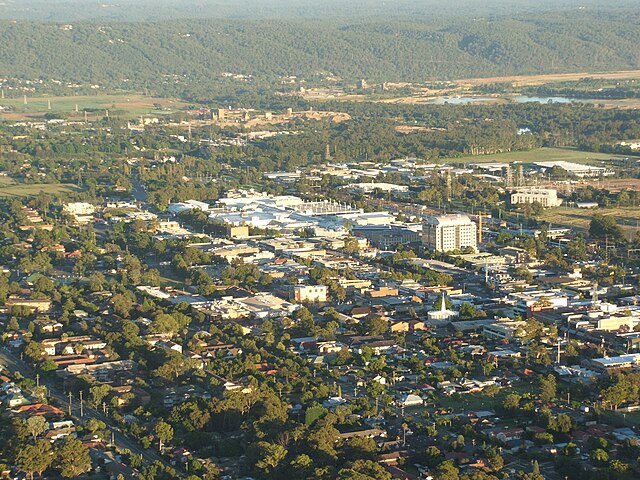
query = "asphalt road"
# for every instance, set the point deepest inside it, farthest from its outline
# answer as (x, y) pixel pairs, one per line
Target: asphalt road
(14, 364)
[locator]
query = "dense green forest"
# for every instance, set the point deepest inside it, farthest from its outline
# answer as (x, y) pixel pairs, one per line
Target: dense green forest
(186, 57)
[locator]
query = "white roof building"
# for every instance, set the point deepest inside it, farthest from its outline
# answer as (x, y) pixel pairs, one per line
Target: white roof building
(577, 169)
(370, 187)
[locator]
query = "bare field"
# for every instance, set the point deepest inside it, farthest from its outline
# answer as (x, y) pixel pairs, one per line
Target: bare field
(545, 154)
(522, 80)
(627, 217)
(132, 104)
(617, 184)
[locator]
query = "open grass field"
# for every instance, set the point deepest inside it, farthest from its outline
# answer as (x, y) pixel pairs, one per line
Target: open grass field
(544, 154)
(133, 105)
(628, 218)
(8, 188)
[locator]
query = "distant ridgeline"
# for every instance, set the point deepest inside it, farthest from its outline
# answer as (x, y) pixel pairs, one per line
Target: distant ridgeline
(186, 56)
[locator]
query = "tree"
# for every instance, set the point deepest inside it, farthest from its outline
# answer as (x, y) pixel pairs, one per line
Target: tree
(364, 470)
(351, 245)
(98, 393)
(548, 388)
(73, 458)
(511, 401)
(599, 456)
(190, 416)
(620, 392)
(302, 465)
(523, 273)
(35, 426)
(376, 325)
(122, 304)
(269, 456)
(164, 432)
(447, 471)
(94, 425)
(536, 468)
(34, 351)
(564, 423)
(433, 456)
(496, 462)
(35, 458)
(313, 413)
(467, 311)
(602, 226)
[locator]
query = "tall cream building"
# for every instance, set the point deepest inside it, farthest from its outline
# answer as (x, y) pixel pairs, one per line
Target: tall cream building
(444, 233)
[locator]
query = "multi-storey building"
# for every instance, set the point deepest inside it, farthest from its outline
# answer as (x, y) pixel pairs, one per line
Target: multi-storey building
(444, 233)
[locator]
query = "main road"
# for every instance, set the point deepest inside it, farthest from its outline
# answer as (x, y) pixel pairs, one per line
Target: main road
(12, 363)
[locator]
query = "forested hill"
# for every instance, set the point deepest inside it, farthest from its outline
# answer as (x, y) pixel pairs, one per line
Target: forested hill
(153, 54)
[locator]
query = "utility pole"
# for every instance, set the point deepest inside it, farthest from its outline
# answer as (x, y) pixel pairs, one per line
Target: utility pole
(37, 380)
(81, 405)
(70, 397)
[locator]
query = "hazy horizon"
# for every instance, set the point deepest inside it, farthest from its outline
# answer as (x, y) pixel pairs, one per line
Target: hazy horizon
(155, 10)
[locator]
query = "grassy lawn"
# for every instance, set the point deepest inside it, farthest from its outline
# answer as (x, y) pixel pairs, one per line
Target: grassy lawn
(622, 420)
(8, 188)
(544, 154)
(133, 104)
(481, 401)
(627, 217)
(169, 282)
(470, 402)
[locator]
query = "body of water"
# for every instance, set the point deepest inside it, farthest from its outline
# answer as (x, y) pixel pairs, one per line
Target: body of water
(517, 99)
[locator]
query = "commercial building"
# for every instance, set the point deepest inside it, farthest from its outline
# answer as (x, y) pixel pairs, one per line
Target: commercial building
(546, 197)
(622, 362)
(444, 233)
(310, 293)
(386, 237)
(503, 330)
(373, 186)
(79, 208)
